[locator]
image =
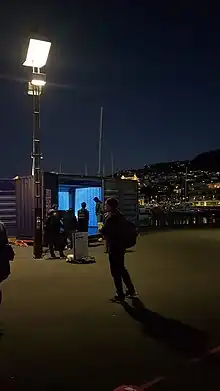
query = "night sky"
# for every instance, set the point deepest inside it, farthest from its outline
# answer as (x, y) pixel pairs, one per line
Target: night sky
(155, 69)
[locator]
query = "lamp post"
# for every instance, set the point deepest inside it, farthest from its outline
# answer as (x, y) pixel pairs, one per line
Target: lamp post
(36, 59)
(100, 141)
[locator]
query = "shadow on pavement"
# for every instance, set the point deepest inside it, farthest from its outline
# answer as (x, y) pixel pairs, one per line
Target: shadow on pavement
(172, 333)
(96, 244)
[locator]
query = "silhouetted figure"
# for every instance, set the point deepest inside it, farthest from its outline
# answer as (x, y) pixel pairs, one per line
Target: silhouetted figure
(6, 255)
(83, 218)
(99, 210)
(70, 225)
(106, 239)
(54, 233)
(113, 231)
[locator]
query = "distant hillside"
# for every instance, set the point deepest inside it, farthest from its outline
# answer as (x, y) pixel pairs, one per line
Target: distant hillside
(166, 167)
(207, 161)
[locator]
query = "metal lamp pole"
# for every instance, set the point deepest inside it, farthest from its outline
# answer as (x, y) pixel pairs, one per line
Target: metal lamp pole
(37, 55)
(100, 141)
(36, 155)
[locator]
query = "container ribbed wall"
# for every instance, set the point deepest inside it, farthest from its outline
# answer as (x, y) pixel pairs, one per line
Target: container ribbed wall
(8, 205)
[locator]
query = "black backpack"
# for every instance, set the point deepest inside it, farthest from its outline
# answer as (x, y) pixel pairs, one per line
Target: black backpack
(130, 234)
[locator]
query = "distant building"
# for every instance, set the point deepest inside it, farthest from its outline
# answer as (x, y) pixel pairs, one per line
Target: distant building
(131, 178)
(214, 185)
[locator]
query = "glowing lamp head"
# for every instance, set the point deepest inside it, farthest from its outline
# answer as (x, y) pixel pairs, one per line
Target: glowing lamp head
(38, 83)
(38, 79)
(32, 90)
(37, 53)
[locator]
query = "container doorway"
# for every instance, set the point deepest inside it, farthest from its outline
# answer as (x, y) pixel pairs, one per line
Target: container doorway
(72, 196)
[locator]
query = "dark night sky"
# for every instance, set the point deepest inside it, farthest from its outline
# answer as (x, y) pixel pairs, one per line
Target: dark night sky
(155, 69)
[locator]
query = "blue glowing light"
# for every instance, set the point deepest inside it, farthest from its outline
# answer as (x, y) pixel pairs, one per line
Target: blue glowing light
(63, 200)
(87, 195)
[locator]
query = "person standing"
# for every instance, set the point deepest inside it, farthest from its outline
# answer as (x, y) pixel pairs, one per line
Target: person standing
(6, 255)
(106, 240)
(54, 233)
(113, 231)
(83, 218)
(70, 225)
(98, 210)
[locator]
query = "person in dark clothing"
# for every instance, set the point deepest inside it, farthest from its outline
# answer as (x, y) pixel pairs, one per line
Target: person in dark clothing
(98, 209)
(83, 218)
(54, 233)
(106, 240)
(70, 225)
(6, 255)
(113, 231)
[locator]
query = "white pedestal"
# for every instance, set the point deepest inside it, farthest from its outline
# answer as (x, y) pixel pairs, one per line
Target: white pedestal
(80, 245)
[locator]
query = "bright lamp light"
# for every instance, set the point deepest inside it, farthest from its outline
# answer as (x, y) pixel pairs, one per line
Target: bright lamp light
(38, 83)
(37, 53)
(38, 79)
(34, 91)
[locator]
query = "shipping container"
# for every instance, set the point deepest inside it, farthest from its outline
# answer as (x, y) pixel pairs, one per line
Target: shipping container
(8, 205)
(126, 191)
(25, 201)
(69, 191)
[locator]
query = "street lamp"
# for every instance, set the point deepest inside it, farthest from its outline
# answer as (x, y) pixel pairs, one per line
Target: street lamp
(36, 59)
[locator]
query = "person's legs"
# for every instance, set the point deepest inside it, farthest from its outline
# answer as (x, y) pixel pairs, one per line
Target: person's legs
(70, 237)
(51, 248)
(106, 247)
(115, 272)
(124, 274)
(61, 245)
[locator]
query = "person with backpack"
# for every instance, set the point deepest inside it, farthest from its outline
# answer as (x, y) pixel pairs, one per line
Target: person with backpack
(6, 255)
(117, 231)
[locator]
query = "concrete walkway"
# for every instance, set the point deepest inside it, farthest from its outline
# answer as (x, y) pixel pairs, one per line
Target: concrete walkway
(60, 331)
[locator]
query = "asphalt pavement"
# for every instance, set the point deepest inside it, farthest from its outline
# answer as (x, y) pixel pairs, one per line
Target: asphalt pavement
(60, 330)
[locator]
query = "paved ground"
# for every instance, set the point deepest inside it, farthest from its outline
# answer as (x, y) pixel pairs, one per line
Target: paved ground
(59, 330)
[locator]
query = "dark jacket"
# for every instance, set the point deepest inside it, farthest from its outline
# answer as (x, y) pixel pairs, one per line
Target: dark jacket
(3, 235)
(99, 208)
(53, 228)
(70, 221)
(4, 254)
(83, 220)
(113, 231)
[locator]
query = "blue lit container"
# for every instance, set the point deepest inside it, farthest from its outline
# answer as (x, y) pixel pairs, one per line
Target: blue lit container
(25, 201)
(73, 190)
(69, 191)
(87, 195)
(64, 199)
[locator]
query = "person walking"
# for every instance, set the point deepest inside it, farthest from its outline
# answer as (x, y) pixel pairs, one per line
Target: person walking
(114, 232)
